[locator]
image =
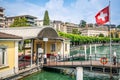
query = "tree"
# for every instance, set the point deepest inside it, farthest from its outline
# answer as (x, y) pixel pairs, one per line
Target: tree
(90, 25)
(24, 22)
(85, 39)
(82, 23)
(15, 23)
(46, 20)
(19, 22)
(117, 35)
(101, 35)
(118, 26)
(75, 31)
(112, 35)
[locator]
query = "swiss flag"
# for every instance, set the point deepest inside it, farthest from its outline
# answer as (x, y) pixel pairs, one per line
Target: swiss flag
(103, 16)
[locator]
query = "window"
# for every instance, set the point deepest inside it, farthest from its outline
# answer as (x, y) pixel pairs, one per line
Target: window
(65, 47)
(53, 47)
(3, 59)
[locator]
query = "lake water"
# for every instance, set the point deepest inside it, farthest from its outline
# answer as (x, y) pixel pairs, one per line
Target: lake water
(99, 50)
(48, 76)
(87, 75)
(58, 76)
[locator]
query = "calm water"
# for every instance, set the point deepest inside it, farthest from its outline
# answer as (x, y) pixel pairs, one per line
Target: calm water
(48, 76)
(57, 76)
(99, 50)
(87, 75)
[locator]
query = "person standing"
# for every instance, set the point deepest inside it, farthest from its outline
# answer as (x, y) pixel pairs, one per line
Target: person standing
(59, 55)
(114, 58)
(34, 58)
(45, 59)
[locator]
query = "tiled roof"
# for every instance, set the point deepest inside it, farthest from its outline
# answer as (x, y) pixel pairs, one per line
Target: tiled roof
(8, 36)
(25, 32)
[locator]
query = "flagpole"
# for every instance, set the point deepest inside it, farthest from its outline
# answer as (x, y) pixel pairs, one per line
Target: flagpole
(110, 29)
(110, 40)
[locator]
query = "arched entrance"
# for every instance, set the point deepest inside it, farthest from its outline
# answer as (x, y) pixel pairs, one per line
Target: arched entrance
(48, 33)
(47, 43)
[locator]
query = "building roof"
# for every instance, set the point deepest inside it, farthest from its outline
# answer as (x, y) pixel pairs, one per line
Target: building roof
(31, 32)
(96, 28)
(1, 8)
(56, 21)
(38, 20)
(8, 36)
(23, 16)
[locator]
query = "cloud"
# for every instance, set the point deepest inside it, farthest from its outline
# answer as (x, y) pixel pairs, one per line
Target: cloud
(56, 10)
(22, 8)
(73, 12)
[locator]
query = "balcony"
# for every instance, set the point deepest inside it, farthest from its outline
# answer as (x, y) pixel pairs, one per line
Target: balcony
(2, 23)
(30, 20)
(1, 13)
(2, 18)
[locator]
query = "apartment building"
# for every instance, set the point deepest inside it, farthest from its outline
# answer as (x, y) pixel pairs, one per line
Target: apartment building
(94, 31)
(30, 20)
(2, 19)
(70, 27)
(39, 22)
(59, 26)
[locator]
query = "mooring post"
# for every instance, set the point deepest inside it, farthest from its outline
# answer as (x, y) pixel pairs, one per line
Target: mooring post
(90, 50)
(95, 49)
(119, 74)
(85, 52)
(103, 69)
(79, 73)
(91, 68)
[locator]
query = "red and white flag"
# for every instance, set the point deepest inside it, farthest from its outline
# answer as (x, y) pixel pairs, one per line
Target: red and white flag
(103, 16)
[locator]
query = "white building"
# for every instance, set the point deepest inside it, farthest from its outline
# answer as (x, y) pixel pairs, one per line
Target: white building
(30, 19)
(2, 18)
(39, 22)
(94, 31)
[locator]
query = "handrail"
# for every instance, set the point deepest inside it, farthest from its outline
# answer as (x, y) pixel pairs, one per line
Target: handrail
(90, 58)
(91, 61)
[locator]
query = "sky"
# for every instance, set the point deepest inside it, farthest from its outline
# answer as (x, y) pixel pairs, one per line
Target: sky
(63, 10)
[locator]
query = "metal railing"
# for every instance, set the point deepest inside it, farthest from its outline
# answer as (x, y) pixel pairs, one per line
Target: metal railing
(91, 61)
(81, 58)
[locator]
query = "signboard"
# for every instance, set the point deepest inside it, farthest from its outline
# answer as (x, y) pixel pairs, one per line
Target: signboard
(45, 39)
(40, 50)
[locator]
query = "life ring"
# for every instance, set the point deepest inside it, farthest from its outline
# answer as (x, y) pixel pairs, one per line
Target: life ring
(103, 60)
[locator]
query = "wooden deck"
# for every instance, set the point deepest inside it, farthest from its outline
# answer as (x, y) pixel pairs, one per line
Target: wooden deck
(81, 64)
(95, 66)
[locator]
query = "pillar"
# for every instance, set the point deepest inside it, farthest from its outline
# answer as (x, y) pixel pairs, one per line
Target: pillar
(90, 50)
(63, 50)
(95, 49)
(79, 73)
(16, 57)
(85, 52)
(45, 50)
(31, 52)
(119, 74)
(45, 40)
